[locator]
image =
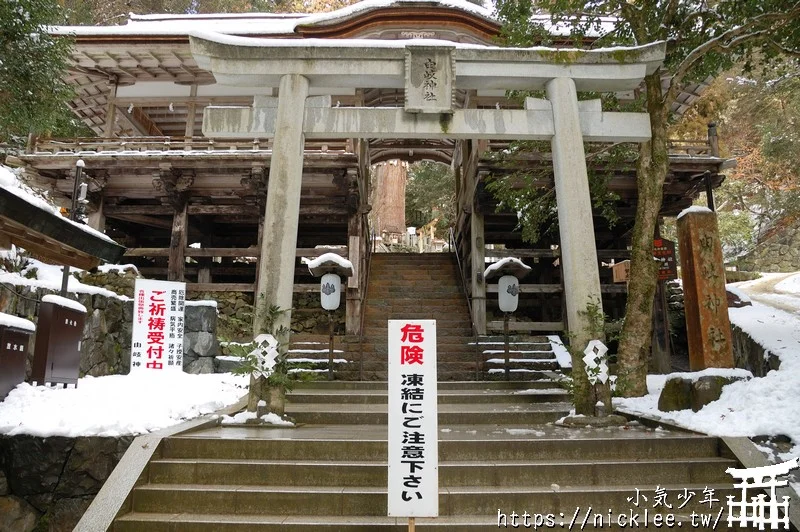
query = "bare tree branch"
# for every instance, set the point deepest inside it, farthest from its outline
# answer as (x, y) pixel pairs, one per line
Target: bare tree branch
(728, 40)
(791, 52)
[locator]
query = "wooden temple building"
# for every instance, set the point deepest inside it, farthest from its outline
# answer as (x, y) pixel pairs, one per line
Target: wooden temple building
(191, 206)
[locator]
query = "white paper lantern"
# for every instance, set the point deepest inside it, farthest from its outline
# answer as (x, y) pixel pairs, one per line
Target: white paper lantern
(508, 293)
(330, 289)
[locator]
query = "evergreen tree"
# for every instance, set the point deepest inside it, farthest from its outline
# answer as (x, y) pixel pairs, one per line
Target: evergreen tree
(32, 64)
(702, 39)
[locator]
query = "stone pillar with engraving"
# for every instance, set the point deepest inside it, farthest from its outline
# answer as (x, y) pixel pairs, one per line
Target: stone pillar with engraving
(702, 269)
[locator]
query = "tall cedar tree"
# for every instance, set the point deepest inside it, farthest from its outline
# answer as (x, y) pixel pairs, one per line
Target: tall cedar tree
(702, 39)
(32, 63)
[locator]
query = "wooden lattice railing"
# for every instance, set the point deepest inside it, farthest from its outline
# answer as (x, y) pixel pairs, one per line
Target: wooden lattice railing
(170, 144)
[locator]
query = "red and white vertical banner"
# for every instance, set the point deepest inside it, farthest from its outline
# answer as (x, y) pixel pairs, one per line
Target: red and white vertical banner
(158, 321)
(413, 424)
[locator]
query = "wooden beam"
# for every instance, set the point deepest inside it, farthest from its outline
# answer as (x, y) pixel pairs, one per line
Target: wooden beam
(527, 326)
(143, 220)
(221, 210)
(243, 287)
(547, 253)
(557, 288)
(229, 252)
(219, 287)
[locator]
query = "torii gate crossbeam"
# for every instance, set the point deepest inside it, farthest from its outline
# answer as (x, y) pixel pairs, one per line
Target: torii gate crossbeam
(429, 72)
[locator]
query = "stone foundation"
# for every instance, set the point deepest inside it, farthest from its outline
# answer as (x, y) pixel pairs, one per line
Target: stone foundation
(47, 483)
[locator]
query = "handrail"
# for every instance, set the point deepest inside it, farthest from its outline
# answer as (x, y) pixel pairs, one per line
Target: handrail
(454, 246)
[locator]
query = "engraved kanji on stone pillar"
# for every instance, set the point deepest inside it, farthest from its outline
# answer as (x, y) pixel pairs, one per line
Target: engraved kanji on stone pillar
(430, 73)
(702, 270)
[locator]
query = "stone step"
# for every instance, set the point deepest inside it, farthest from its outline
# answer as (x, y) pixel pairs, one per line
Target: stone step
(554, 394)
(445, 320)
(190, 522)
(451, 474)
(371, 501)
(572, 444)
(478, 386)
(410, 301)
(449, 414)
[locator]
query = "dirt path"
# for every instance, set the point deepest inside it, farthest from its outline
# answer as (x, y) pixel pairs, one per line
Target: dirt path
(763, 290)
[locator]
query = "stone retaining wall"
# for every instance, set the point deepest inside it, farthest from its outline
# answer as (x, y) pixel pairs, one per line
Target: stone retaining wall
(779, 252)
(46, 484)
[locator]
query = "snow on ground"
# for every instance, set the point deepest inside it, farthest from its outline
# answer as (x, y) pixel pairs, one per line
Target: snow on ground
(780, 290)
(117, 405)
(789, 285)
(768, 405)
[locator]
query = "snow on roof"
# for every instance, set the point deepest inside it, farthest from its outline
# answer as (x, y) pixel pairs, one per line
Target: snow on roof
(115, 405)
(693, 208)
(330, 263)
(255, 42)
(253, 23)
(508, 263)
(10, 182)
(180, 25)
(7, 320)
(49, 276)
(64, 302)
(368, 5)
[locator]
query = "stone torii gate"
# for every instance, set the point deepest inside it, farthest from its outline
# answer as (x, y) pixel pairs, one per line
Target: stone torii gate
(429, 72)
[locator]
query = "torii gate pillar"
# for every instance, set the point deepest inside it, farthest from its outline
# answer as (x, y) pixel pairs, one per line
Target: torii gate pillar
(578, 250)
(282, 212)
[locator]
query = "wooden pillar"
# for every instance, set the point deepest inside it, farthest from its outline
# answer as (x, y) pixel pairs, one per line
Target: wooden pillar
(355, 288)
(111, 110)
(178, 241)
(708, 326)
(282, 213)
(478, 262)
(97, 219)
(191, 109)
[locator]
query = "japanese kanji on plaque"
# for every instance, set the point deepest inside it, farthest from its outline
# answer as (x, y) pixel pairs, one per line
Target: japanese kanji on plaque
(158, 319)
(413, 426)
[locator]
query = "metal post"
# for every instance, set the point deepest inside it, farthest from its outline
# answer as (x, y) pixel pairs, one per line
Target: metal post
(507, 362)
(330, 345)
(78, 175)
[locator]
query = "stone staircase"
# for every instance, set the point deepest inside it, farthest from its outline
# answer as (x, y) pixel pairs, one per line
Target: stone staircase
(418, 286)
(499, 453)
(423, 286)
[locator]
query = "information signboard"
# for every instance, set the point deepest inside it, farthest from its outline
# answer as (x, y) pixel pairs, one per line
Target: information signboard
(664, 252)
(158, 321)
(413, 425)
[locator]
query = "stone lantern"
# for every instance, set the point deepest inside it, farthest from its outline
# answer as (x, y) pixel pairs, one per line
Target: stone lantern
(331, 268)
(508, 273)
